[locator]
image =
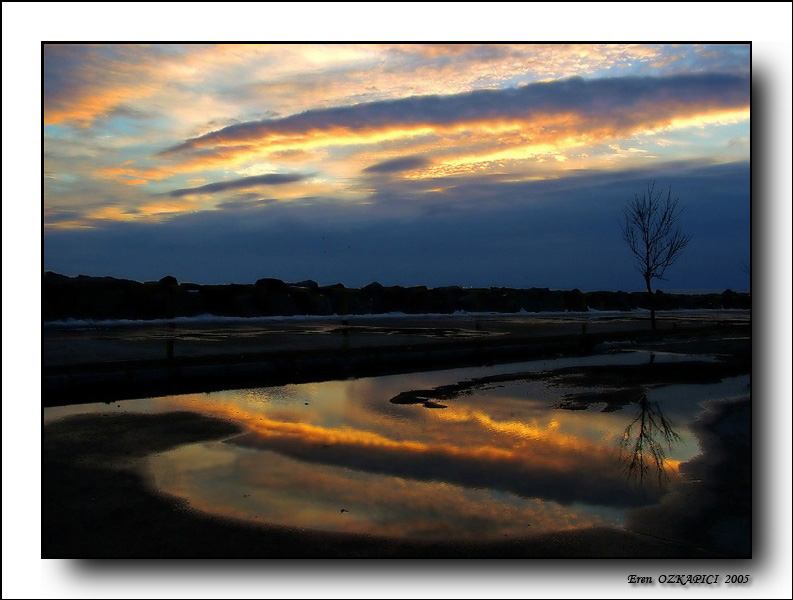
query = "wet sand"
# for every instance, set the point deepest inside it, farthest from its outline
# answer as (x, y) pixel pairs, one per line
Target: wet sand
(102, 342)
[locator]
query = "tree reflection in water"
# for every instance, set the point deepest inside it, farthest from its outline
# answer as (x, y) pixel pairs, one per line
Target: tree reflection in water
(643, 442)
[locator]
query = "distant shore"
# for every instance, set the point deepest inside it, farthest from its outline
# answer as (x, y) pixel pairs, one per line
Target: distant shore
(102, 298)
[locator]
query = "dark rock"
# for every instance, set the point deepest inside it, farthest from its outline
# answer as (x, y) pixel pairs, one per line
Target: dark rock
(270, 284)
(86, 297)
(308, 283)
(168, 281)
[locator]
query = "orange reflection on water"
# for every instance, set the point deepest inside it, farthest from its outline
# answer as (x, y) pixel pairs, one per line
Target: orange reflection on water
(340, 464)
(536, 447)
(289, 492)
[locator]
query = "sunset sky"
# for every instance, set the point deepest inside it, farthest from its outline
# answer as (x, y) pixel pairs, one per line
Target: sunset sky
(410, 164)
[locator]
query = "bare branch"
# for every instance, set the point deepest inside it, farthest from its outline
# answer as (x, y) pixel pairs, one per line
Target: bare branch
(649, 228)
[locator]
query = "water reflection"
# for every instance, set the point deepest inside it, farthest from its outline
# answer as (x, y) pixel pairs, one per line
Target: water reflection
(643, 442)
(502, 459)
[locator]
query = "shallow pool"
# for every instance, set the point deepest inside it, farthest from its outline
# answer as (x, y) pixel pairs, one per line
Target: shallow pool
(494, 452)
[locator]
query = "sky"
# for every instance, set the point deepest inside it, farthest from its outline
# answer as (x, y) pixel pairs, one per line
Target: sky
(407, 164)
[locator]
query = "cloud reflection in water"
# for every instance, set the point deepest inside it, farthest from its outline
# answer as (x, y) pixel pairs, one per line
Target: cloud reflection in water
(498, 462)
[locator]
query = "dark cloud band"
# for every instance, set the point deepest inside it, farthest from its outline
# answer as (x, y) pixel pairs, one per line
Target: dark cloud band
(396, 165)
(235, 184)
(617, 100)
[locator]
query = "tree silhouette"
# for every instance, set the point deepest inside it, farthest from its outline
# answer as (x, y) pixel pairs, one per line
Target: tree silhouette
(650, 229)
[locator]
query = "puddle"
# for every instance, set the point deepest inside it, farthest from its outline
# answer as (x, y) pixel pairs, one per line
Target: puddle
(502, 459)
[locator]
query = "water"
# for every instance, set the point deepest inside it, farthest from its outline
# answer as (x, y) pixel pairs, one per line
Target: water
(500, 459)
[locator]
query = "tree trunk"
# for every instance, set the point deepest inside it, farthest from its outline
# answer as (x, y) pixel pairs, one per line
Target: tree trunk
(652, 305)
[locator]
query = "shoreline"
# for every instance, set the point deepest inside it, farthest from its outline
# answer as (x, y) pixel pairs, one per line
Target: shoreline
(301, 357)
(210, 318)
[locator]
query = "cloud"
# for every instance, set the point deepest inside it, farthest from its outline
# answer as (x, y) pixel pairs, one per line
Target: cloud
(244, 182)
(83, 82)
(246, 203)
(406, 163)
(402, 70)
(579, 104)
(486, 231)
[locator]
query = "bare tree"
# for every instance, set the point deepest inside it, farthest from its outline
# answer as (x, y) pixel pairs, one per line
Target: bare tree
(651, 232)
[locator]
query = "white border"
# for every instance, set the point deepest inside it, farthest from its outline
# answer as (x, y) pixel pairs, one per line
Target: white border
(767, 25)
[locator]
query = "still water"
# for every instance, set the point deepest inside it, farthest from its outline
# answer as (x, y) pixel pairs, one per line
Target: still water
(497, 456)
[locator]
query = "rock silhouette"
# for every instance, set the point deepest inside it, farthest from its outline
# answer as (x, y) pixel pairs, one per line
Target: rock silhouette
(99, 298)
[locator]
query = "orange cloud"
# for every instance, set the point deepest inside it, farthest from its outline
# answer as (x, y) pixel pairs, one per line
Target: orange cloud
(541, 119)
(162, 208)
(113, 213)
(83, 82)
(96, 84)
